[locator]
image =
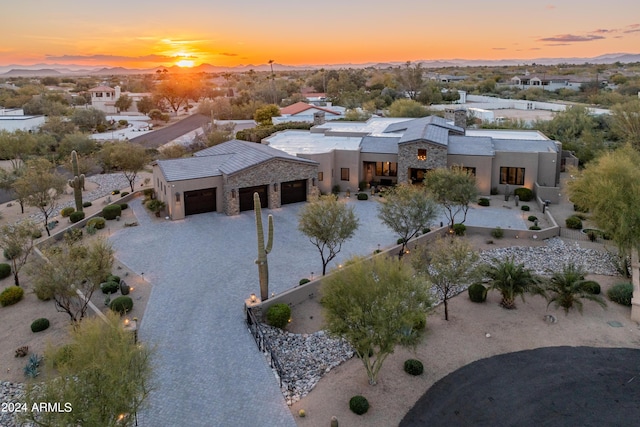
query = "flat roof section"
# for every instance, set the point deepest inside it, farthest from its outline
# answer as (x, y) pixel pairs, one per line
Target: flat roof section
(375, 126)
(304, 142)
(508, 134)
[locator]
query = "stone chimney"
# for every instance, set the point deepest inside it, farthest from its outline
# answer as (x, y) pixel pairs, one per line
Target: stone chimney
(456, 115)
(318, 118)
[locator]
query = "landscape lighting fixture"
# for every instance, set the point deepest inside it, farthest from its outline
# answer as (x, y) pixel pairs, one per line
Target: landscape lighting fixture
(253, 297)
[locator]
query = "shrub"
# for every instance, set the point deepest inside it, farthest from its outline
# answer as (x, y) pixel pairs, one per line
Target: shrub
(100, 128)
(335, 189)
(358, 404)
(592, 287)
(123, 206)
(426, 230)
(123, 122)
(413, 367)
(535, 228)
(65, 212)
(114, 192)
(113, 278)
(86, 204)
(497, 232)
(523, 193)
(11, 295)
(580, 209)
(109, 287)
(121, 305)
(73, 235)
(39, 324)
(11, 252)
(37, 234)
(459, 229)
(592, 235)
(362, 196)
(5, 270)
(477, 292)
(621, 293)
(532, 218)
(483, 201)
(111, 211)
(76, 216)
(98, 223)
(400, 241)
(278, 315)
(303, 281)
(583, 217)
(574, 222)
(525, 208)
(148, 193)
(43, 292)
(124, 193)
(494, 191)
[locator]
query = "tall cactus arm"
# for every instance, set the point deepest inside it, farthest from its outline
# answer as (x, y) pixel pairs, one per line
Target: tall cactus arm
(270, 238)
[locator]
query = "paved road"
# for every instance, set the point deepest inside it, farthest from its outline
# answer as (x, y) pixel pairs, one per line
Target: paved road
(553, 386)
(167, 134)
(209, 371)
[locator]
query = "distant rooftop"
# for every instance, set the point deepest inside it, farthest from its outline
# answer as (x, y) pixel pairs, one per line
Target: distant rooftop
(508, 134)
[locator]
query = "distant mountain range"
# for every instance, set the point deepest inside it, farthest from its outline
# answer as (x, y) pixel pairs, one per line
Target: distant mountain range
(83, 70)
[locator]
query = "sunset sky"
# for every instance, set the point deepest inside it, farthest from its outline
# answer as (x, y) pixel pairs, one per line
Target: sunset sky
(149, 33)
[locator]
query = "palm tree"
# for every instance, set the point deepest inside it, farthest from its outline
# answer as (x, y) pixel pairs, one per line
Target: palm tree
(511, 280)
(568, 287)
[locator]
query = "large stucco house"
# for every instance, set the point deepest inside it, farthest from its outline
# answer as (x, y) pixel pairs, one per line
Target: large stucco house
(292, 165)
(104, 98)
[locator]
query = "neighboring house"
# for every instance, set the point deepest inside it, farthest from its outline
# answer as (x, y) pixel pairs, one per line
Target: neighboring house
(223, 178)
(304, 112)
(104, 98)
(12, 119)
(386, 151)
(545, 83)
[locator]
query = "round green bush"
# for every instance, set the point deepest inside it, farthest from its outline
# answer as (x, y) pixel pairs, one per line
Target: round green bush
(37, 234)
(123, 206)
(111, 211)
(523, 193)
(621, 293)
(358, 404)
(400, 241)
(483, 201)
(497, 232)
(98, 223)
(592, 287)
(65, 212)
(413, 367)
(39, 324)
(76, 216)
(43, 292)
(5, 270)
(11, 295)
(525, 208)
(114, 192)
(535, 228)
(532, 218)
(459, 229)
(278, 315)
(477, 292)
(86, 204)
(11, 252)
(574, 222)
(362, 196)
(109, 287)
(121, 305)
(113, 278)
(303, 281)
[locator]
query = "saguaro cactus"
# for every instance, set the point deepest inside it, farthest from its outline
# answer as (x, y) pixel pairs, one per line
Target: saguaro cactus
(263, 251)
(77, 183)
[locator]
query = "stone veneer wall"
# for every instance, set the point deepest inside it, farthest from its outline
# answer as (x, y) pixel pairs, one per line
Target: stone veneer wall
(268, 173)
(408, 158)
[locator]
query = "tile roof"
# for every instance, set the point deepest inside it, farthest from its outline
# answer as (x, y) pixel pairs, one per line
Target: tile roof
(102, 89)
(192, 167)
(244, 154)
(379, 144)
(471, 145)
(299, 107)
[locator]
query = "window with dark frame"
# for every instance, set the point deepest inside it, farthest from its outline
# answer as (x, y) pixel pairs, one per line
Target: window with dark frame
(320, 176)
(512, 175)
(422, 154)
(470, 170)
(344, 174)
(386, 169)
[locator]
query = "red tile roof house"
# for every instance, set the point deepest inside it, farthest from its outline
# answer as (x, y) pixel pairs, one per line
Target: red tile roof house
(303, 112)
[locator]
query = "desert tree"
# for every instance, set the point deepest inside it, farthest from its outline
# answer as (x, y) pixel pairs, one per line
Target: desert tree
(126, 157)
(264, 114)
(568, 287)
(511, 280)
(407, 108)
(407, 210)
(453, 188)
(16, 147)
(71, 273)
(101, 378)
(328, 223)
(123, 103)
(626, 122)
(145, 105)
(40, 186)
(16, 240)
(446, 265)
(375, 305)
(610, 188)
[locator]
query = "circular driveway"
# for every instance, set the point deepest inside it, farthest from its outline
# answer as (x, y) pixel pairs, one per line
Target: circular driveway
(553, 386)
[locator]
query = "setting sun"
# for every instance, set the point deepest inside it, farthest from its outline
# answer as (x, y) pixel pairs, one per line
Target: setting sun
(185, 63)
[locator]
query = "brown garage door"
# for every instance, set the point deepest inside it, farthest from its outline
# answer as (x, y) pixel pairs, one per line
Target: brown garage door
(293, 192)
(199, 201)
(246, 197)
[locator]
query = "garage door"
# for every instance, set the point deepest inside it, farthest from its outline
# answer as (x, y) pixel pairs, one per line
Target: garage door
(246, 197)
(293, 192)
(199, 201)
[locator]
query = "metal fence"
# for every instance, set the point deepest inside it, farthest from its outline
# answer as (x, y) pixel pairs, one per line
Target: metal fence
(573, 234)
(263, 345)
